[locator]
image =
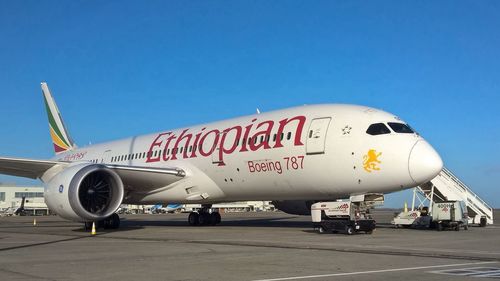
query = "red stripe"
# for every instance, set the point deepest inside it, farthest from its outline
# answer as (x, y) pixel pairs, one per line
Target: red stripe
(58, 149)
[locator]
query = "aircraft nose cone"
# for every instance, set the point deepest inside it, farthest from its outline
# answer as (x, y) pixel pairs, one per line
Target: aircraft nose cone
(424, 163)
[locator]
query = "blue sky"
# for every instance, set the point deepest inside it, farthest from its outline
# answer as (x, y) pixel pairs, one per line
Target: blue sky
(121, 68)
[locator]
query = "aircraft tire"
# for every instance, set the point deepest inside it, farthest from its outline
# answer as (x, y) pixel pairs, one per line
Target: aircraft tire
(213, 219)
(193, 218)
(204, 219)
(217, 217)
(114, 221)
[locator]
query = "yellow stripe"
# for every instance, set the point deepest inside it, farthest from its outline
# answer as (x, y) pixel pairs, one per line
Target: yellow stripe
(57, 140)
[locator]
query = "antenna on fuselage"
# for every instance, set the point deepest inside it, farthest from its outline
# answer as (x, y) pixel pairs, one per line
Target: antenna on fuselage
(258, 111)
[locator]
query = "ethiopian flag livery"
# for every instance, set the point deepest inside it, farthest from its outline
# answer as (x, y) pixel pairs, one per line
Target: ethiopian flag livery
(58, 132)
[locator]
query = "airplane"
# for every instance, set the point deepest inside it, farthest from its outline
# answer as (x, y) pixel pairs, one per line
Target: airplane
(15, 211)
(21, 211)
(170, 208)
(293, 157)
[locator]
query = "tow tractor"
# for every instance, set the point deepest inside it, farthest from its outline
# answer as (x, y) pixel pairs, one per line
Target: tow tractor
(348, 216)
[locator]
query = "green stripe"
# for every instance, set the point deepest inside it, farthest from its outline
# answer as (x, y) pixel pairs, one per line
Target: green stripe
(53, 123)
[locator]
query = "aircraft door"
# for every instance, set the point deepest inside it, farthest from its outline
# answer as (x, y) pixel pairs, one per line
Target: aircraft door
(106, 157)
(316, 136)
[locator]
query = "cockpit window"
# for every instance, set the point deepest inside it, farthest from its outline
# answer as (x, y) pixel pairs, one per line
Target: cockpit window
(378, 129)
(400, 128)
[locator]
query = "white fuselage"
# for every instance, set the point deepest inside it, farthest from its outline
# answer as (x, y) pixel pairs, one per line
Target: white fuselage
(325, 154)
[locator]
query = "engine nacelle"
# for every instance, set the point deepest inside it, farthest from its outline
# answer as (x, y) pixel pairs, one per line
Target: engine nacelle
(84, 192)
(294, 207)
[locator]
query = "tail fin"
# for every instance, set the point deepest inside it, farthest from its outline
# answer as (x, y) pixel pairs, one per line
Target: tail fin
(58, 132)
(20, 210)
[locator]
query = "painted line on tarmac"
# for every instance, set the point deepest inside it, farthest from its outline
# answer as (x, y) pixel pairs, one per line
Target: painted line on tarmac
(40, 244)
(373, 271)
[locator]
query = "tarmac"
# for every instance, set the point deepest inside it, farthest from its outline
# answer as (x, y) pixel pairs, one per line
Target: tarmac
(245, 246)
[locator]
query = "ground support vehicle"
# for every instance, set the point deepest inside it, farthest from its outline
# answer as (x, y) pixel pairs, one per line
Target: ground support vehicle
(346, 216)
(450, 215)
(443, 215)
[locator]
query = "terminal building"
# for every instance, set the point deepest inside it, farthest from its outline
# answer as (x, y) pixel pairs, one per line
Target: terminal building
(11, 197)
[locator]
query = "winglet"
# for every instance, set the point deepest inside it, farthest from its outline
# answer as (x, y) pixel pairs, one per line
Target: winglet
(58, 132)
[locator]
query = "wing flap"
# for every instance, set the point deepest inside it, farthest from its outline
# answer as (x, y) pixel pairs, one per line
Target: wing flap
(27, 168)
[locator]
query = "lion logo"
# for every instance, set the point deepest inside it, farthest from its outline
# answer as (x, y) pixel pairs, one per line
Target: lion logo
(370, 161)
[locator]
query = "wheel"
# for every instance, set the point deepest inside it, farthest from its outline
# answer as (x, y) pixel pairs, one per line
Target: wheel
(466, 227)
(193, 218)
(457, 228)
(369, 231)
(482, 222)
(349, 230)
(214, 218)
(114, 221)
(217, 216)
(439, 227)
(204, 219)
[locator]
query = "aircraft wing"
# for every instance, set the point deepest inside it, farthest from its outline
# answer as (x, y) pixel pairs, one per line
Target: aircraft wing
(134, 178)
(26, 168)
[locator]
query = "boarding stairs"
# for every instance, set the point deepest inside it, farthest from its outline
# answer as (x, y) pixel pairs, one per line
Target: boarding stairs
(447, 187)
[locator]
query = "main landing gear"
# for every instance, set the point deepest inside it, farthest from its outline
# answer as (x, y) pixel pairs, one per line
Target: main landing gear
(204, 217)
(111, 222)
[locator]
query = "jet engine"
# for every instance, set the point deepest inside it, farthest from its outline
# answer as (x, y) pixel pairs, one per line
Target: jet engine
(294, 207)
(84, 192)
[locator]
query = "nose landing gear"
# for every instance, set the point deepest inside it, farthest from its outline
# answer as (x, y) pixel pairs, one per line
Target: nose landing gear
(204, 217)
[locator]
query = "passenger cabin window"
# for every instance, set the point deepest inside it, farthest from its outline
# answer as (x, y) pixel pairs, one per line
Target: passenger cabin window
(400, 128)
(378, 129)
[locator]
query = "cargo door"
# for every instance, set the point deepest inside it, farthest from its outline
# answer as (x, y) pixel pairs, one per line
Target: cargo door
(316, 136)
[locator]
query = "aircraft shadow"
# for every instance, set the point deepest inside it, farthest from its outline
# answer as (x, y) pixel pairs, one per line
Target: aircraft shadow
(265, 222)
